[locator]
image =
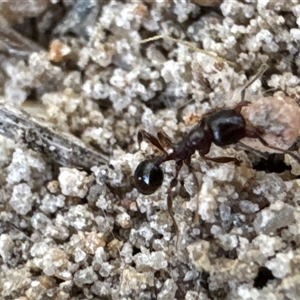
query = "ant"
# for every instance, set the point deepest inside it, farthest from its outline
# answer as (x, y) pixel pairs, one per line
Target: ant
(222, 127)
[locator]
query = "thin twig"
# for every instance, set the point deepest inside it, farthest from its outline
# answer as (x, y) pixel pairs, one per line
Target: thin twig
(189, 45)
(63, 148)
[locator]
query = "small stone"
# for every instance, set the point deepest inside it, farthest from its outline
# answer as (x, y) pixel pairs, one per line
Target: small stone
(207, 207)
(134, 281)
(267, 245)
(39, 249)
(58, 51)
(93, 241)
(51, 203)
(99, 257)
(40, 221)
(281, 265)
(6, 247)
(295, 34)
(123, 220)
(156, 260)
(105, 269)
(126, 252)
(248, 206)
(101, 288)
(79, 217)
(277, 215)
(225, 270)
(15, 280)
(168, 290)
(85, 276)
(36, 291)
(54, 262)
(190, 275)
(22, 199)
(53, 186)
(228, 241)
(278, 116)
(225, 212)
(142, 235)
(199, 255)
(79, 255)
(74, 182)
(25, 166)
(113, 247)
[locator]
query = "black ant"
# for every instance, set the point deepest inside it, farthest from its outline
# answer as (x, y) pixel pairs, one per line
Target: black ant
(222, 127)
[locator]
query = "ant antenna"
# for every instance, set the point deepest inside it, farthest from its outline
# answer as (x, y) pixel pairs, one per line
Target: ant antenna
(189, 45)
(265, 143)
(19, 230)
(263, 68)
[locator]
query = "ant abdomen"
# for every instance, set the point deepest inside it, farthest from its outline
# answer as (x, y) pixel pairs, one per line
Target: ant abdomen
(148, 177)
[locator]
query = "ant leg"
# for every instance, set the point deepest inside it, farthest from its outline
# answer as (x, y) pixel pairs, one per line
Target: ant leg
(196, 217)
(188, 163)
(256, 135)
(173, 183)
(142, 134)
(189, 45)
(239, 107)
(221, 159)
(164, 139)
(259, 73)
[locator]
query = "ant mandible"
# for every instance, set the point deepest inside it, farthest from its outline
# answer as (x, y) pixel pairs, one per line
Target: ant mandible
(222, 127)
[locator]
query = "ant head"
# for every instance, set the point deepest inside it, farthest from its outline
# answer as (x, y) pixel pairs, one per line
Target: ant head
(148, 177)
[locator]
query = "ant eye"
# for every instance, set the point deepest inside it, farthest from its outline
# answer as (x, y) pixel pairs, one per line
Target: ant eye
(148, 177)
